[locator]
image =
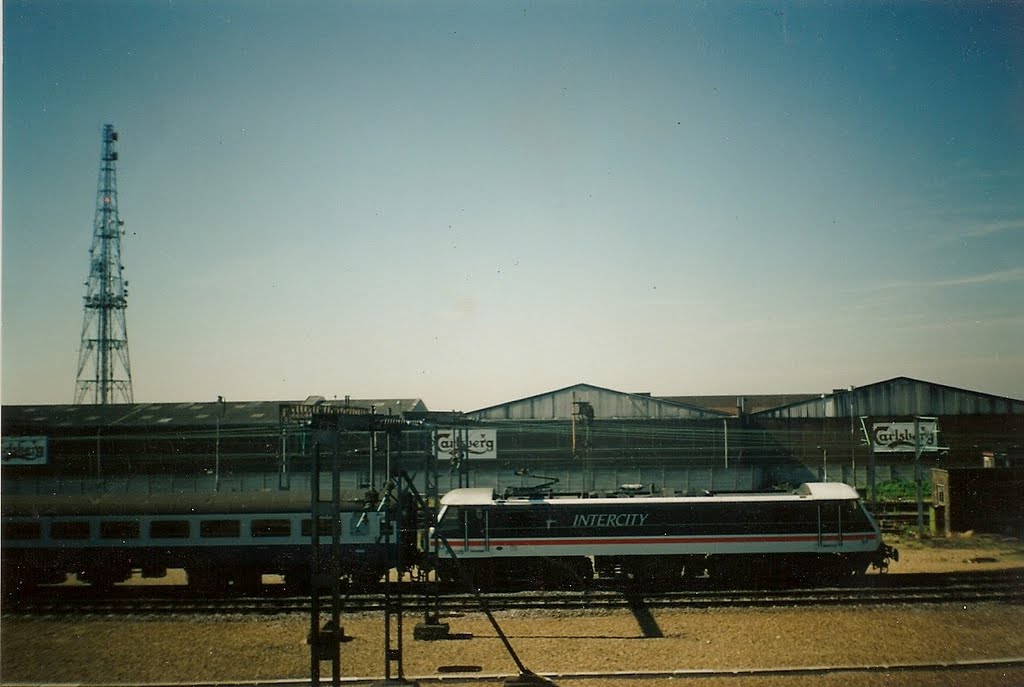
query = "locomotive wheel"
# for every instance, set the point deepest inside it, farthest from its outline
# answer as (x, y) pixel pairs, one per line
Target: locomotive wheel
(573, 573)
(447, 571)
(737, 571)
(694, 567)
(655, 570)
(482, 573)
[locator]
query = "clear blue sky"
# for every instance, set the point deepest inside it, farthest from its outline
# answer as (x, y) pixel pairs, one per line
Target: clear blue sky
(470, 202)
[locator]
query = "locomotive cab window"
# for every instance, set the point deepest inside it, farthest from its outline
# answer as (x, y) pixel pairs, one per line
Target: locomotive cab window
(476, 519)
(449, 522)
(830, 516)
(854, 518)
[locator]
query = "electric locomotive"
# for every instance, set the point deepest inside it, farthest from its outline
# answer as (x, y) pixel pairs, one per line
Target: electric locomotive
(819, 532)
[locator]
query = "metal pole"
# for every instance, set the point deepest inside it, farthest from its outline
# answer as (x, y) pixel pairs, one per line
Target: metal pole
(572, 417)
(314, 534)
(853, 440)
(216, 458)
(283, 481)
(871, 477)
(725, 431)
(216, 462)
(463, 449)
(917, 474)
(373, 446)
(871, 463)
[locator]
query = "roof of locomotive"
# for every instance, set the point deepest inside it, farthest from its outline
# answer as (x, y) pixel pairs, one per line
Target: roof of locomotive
(814, 491)
(829, 491)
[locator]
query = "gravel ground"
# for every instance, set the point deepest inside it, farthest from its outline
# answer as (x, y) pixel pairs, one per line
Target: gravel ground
(117, 651)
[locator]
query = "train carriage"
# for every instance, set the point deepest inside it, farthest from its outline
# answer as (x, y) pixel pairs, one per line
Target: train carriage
(820, 531)
(222, 541)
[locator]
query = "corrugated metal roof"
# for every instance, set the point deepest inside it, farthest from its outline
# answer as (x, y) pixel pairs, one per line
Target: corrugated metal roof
(899, 397)
(751, 403)
(607, 403)
(141, 415)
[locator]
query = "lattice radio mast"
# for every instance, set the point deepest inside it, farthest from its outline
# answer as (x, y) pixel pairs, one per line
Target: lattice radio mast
(104, 373)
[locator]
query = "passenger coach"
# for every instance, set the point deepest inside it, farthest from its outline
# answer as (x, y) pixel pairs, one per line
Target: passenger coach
(222, 541)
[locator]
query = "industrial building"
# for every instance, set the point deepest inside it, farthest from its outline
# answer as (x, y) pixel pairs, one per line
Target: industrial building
(588, 437)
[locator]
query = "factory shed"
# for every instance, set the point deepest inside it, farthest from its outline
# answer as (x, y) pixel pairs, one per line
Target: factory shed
(147, 417)
(897, 397)
(562, 404)
(829, 433)
(168, 438)
(592, 435)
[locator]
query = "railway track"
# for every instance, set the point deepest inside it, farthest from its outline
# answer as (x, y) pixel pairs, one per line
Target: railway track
(934, 672)
(997, 586)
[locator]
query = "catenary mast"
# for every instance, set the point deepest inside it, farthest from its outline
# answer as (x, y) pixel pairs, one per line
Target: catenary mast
(104, 373)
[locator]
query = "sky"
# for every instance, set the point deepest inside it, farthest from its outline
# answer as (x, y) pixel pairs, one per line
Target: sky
(473, 202)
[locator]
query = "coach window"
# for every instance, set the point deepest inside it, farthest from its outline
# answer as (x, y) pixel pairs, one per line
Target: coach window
(119, 529)
(219, 529)
(169, 529)
(271, 528)
(69, 530)
(12, 531)
(325, 527)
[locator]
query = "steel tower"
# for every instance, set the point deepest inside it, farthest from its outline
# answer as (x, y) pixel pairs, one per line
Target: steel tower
(104, 373)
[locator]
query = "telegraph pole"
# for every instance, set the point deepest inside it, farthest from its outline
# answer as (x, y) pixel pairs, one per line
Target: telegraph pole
(104, 372)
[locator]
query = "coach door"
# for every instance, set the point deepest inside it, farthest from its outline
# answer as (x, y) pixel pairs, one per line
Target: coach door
(830, 524)
(475, 528)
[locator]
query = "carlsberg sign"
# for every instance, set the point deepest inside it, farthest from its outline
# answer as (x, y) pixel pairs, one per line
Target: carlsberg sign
(471, 443)
(898, 437)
